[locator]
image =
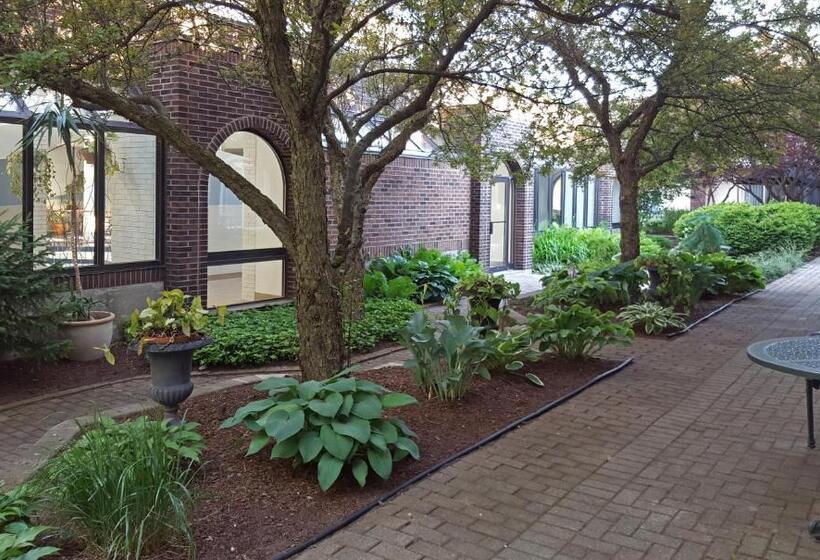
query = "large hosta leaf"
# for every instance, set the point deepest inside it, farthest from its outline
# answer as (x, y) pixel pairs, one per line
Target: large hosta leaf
(394, 400)
(259, 440)
(327, 407)
(336, 444)
(285, 449)
(360, 471)
(380, 461)
(310, 444)
(354, 427)
(283, 429)
(407, 444)
(367, 406)
(329, 469)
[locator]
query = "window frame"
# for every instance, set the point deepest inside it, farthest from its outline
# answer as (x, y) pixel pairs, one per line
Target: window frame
(23, 117)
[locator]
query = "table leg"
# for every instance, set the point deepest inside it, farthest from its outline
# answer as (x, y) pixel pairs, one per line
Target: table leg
(810, 410)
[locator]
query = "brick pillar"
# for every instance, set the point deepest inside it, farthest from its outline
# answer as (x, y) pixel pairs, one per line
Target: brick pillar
(604, 184)
(480, 221)
(523, 208)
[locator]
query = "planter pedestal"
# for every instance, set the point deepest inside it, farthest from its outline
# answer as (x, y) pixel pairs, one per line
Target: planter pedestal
(171, 366)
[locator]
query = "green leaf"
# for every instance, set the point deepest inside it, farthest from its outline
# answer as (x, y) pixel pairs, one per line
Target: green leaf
(360, 471)
(354, 427)
(39, 552)
(377, 440)
(388, 431)
(308, 389)
(293, 424)
(342, 385)
(285, 449)
(259, 440)
(329, 469)
(310, 445)
(402, 425)
(327, 407)
(534, 379)
(367, 406)
(512, 366)
(347, 405)
(245, 411)
(380, 461)
(395, 400)
(410, 446)
(334, 443)
(273, 383)
(369, 387)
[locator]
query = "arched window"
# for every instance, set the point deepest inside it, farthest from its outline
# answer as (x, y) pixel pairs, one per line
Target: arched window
(244, 255)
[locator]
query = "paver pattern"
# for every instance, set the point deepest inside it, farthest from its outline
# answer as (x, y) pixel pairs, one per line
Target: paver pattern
(693, 452)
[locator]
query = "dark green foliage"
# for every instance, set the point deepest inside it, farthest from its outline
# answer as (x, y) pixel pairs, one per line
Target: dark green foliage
(29, 312)
(509, 350)
(561, 246)
(484, 293)
(123, 487)
(741, 276)
(576, 332)
(376, 285)
(704, 238)
(652, 317)
(331, 423)
(261, 336)
(434, 273)
(749, 229)
(664, 223)
(683, 279)
(606, 287)
(447, 354)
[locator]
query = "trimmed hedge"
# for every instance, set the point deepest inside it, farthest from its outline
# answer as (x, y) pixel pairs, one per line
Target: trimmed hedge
(748, 229)
(260, 336)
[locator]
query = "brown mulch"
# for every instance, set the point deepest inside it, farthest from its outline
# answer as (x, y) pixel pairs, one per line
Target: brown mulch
(251, 508)
(20, 380)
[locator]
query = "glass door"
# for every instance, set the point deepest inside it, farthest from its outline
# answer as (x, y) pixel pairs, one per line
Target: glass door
(500, 222)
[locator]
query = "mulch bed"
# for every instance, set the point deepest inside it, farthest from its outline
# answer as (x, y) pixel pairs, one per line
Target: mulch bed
(251, 508)
(21, 380)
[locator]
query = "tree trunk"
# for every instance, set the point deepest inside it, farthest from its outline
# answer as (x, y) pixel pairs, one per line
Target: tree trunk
(352, 281)
(630, 224)
(318, 306)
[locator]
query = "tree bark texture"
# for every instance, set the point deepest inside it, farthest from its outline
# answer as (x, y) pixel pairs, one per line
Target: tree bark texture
(628, 204)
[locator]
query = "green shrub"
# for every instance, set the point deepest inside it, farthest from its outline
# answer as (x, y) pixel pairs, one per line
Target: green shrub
(561, 246)
(123, 487)
(651, 247)
(17, 536)
(652, 317)
(749, 229)
(777, 262)
(741, 276)
(590, 288)
(576, 332)
(331, 423)
(261, 336)
(704, 238)
(683, 279)
(484, 293)
(434, 273)
(447, 354)
(376, 285)
(29, 314)
(665, 223)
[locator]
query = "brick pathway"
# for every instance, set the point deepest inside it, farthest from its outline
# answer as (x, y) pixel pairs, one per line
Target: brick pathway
(693, 452)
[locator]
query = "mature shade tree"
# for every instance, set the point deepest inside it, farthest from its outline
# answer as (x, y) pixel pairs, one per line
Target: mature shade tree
(356, 78)
(648, 86)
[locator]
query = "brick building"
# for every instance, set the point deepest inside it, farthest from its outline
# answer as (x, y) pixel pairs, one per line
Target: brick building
(152, 219)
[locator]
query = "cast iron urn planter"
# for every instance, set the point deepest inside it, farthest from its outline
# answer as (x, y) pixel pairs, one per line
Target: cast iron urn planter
(171, 366)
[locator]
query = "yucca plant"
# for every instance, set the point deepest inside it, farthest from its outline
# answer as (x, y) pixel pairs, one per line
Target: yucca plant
(123, 487)
(652, 317)
(447, 354)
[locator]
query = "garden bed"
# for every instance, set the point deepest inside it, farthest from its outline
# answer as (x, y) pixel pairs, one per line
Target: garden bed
(254, 508)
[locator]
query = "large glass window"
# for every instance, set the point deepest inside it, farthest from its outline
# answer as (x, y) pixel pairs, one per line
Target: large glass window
(11, 171)
(244, 255)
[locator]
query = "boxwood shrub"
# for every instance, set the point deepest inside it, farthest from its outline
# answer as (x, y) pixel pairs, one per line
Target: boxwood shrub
(261, 336)
(749, 229)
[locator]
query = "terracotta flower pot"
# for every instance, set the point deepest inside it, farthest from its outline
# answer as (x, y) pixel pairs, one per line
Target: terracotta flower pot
(87, 336)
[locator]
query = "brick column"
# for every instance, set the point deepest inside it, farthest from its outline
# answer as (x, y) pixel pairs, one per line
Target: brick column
(523, 208)
(604, 185)
(480, 221)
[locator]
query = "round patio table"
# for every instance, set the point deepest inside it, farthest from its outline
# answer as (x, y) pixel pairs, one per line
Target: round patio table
(798, 355)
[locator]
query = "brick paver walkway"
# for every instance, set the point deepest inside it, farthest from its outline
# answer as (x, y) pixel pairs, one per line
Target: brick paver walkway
(693, 452)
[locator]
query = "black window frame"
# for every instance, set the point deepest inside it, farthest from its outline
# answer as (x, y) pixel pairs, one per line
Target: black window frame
(24, 117)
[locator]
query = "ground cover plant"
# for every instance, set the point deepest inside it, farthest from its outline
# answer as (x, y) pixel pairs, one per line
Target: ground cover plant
(260, 336)
(778, 261)
(750, 228)
(576, 331)
(18, 537)
(334, 423)
(651, 317)
(433, 273)
(123, 488)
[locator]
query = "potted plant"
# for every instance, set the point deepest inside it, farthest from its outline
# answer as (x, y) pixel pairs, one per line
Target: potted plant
(168, 331)
(89, 331)
(485, 293)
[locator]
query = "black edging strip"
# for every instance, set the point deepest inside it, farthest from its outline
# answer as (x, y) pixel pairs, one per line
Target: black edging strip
(687, 328)
(301, 547)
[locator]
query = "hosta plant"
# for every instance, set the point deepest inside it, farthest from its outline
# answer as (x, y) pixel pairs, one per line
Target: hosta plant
(741, 276)
(334, 423)
(447, 354)
(17, 536)
(566, 288)
(576, 332)
(484, 293)
(652, 317)
(510, 349)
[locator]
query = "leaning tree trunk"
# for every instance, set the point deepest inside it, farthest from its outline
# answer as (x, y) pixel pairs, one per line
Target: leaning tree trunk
(630, 226)
(318, 307)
